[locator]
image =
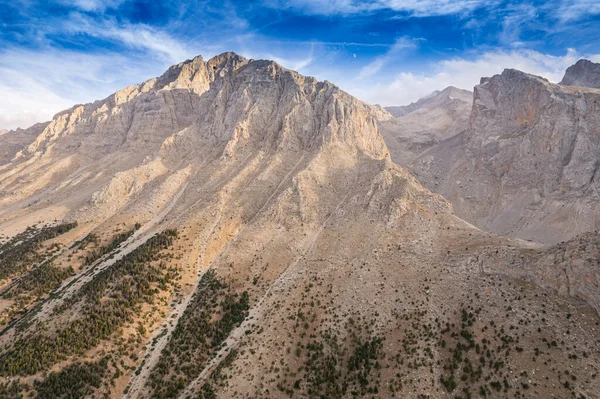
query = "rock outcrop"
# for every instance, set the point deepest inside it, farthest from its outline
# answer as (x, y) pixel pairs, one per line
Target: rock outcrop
(584, 73)
(571, 268)
(14, 141)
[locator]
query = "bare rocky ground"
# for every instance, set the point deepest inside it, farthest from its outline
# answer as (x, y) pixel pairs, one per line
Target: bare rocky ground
(305, 263)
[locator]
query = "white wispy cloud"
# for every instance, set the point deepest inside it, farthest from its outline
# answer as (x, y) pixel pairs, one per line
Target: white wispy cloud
(466, 73)
(418, 8)
(563, 10)
(401, 45)
(516, 16)
(137, 36)
(570, 10)
(35, 85)
(93, 5)
(37, 82)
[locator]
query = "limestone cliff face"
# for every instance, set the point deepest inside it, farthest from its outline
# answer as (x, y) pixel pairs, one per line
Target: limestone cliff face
(226, 106)
(584, 73)
(528, 162)
(531, 133)
(244, 95)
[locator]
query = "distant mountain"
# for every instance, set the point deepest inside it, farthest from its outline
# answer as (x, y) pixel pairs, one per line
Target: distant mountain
(426, 122)
(402, 110)
(432, 100)
(584, 73)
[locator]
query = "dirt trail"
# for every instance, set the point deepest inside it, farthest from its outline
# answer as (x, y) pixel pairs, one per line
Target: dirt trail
(162, 335)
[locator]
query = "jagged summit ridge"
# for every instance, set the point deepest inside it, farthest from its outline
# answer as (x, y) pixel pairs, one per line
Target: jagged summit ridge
(227, 106)
(180, 98)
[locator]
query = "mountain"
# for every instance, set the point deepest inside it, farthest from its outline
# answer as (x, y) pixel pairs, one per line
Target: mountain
(401, 110)
(450, 95)
(531, 148)
(233, 229)
(420, 125)
(584, 73)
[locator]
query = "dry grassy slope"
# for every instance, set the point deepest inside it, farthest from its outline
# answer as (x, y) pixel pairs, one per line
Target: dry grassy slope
(283, 186)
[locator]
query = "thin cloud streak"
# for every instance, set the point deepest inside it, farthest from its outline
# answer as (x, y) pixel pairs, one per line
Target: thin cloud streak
(416, 8)
(401, 45)
(137, 36)
(326, 43)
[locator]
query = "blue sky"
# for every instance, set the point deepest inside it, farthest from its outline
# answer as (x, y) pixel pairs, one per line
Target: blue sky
(54, 54)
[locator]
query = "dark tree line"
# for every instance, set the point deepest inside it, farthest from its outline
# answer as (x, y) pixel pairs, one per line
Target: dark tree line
(22, 251)
(78, 380)
(41, 280)
(209, 319)
(117, 240)
(109, 301)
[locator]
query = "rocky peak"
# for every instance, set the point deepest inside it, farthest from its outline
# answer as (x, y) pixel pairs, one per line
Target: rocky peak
(516, 92)
(237, 101)
(433, 100)
(584, 73)
(196, 74)
(452, 91)
(448, 96)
